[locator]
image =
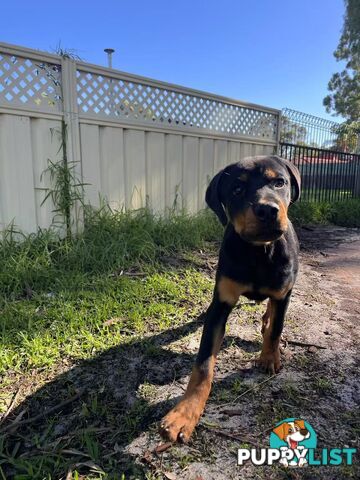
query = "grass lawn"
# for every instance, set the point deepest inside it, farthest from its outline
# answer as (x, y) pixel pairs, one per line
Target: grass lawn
(128, 277)
(77, 315)
(62, 298)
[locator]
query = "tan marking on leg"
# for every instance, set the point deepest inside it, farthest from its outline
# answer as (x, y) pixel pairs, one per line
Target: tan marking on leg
(200, 382)
(266, 318)
(180, 422)
(270, 354)
(230, 291)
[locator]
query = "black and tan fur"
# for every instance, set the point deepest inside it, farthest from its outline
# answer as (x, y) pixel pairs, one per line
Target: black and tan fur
(258, 259)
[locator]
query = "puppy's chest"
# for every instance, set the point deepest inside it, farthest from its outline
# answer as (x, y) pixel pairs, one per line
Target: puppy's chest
(260, 277)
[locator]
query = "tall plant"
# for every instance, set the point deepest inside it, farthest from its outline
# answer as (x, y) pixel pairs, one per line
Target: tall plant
(66, 191)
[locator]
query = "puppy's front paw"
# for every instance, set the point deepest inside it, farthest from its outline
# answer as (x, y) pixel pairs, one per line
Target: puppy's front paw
(180, 422)
(270, 361)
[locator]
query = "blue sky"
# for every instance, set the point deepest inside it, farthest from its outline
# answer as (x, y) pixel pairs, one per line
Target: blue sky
(277, 53)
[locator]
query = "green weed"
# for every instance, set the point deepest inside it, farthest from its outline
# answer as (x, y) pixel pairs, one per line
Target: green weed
(345, 213)
(323, 385)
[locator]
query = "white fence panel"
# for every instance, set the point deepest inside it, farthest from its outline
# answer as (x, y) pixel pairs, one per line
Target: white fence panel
(206, 168)
(221, 154)
(91, 168)
(26, 145)
(173, 171)
(155, 171)
(135, 141)
(190, 176)
(17, 183)
(112, 166)
(45, 142)
(135, 169)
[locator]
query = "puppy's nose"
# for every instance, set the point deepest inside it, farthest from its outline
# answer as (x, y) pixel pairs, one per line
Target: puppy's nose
(266, 211)
(304, 431)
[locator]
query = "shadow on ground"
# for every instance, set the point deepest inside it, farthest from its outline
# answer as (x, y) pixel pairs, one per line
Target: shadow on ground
(86, 419)
(97, 405)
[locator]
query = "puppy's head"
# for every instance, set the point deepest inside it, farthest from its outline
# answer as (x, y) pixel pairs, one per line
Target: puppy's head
(254, 195)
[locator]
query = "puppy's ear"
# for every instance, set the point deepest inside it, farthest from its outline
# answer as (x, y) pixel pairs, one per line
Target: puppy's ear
(280, 431)
(294, 175)
(213, 198)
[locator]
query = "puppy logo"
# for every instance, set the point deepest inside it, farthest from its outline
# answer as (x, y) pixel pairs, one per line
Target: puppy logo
(293, 443)
(294, 437)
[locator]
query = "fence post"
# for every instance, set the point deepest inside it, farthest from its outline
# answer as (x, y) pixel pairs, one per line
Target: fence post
(71, 118)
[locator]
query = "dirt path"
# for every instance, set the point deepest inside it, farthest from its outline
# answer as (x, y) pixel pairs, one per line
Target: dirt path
(319, 385)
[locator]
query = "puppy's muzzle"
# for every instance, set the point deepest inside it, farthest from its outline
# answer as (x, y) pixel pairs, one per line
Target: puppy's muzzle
(266, 212)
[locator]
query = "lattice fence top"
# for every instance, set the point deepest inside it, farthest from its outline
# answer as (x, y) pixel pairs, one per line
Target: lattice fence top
(102, 93)
(29, 83)
(104, 96)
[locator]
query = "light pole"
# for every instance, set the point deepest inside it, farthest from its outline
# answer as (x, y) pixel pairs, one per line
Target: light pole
(109, 52)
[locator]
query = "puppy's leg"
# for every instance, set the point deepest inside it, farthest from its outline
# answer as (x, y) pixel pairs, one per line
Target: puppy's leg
(272, 328)
(180, 422)
(266, 318)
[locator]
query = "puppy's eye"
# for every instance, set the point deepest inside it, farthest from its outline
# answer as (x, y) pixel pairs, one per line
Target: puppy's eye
(279, 183)
(238, 190)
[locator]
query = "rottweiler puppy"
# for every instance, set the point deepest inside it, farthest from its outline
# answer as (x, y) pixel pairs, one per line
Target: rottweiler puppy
(258, 259)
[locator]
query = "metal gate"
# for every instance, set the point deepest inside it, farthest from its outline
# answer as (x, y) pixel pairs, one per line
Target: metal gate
(327, 175)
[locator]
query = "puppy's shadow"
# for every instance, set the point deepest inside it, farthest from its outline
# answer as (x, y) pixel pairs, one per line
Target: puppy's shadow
(249, 346)
(111, 404)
